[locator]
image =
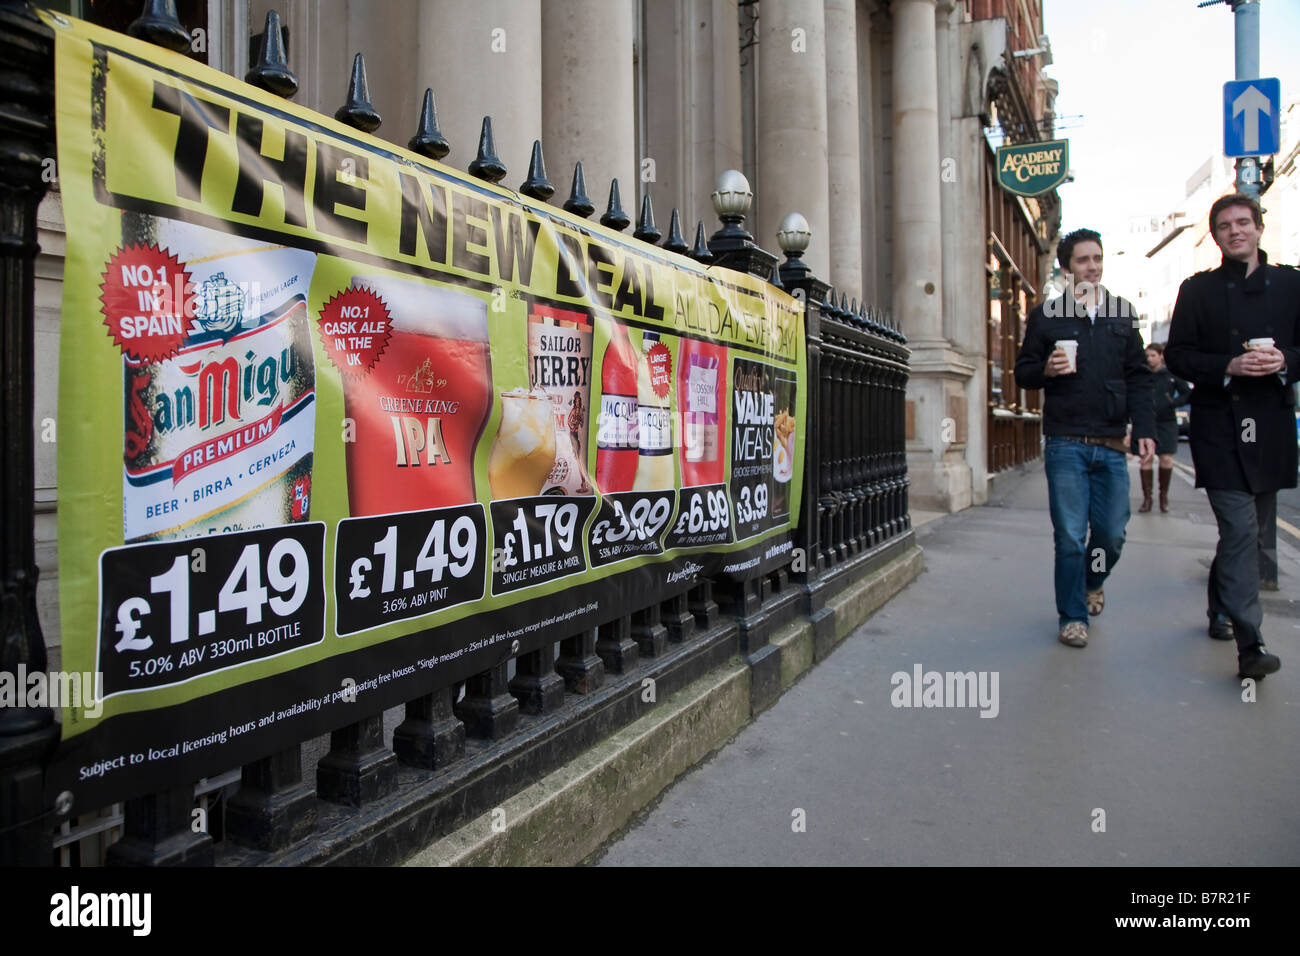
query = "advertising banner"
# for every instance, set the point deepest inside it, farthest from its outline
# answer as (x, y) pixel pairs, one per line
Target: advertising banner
(338, 423)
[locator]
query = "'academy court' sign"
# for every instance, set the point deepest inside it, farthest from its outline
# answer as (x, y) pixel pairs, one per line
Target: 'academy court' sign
(1032, 169)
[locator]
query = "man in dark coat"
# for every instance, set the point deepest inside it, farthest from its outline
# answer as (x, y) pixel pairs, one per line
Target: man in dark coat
(1082, 349)
(1235, 335)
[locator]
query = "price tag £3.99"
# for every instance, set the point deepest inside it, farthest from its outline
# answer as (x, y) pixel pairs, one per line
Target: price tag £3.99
(629, 524)
(171, 611)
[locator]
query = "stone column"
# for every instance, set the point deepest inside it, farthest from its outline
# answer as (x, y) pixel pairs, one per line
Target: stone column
(844, 155)
(484, 58)
(792, 145)
(324, 35)
(938, 389)
(918, 254)
(589, 110)
(691, 51)
(875, 291)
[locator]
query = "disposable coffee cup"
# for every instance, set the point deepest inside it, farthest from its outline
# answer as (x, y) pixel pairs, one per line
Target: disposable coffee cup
(1071, 347)
(1253, 344)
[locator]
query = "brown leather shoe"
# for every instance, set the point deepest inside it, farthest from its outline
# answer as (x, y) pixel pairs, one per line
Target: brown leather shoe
(1146, 491)
(1074, 634)
(1165, 475)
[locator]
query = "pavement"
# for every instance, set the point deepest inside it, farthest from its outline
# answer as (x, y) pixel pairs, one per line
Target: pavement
(1142, 749)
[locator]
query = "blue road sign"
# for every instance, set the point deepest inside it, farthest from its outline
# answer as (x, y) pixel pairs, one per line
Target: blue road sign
(1252, 113)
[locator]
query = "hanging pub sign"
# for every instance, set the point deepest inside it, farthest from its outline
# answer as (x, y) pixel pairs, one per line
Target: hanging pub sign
(1031, 169)
(338, 422)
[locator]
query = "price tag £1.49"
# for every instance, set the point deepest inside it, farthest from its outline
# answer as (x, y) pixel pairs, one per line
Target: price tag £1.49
(171, 611)
(396, 567)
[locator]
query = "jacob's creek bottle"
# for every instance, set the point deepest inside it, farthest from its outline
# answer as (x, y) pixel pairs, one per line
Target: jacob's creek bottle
(616, 434)
(654, 467)
(220, 436)
(420, 410)
(701, 388)
(559, 361)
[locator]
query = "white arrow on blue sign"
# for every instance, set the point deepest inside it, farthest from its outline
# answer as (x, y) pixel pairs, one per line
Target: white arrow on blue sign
(1252, 117)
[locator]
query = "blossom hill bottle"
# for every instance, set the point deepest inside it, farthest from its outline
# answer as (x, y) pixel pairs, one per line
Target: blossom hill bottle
(702, 382)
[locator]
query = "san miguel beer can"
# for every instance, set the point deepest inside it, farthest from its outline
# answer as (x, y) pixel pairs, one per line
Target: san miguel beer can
(559, 362)
(220, 437)
(420, 411)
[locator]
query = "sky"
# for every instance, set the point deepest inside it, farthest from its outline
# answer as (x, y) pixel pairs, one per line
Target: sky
(1141, 98)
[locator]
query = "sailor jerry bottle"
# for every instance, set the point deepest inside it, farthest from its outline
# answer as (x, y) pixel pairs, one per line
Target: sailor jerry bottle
(559, 362)
(616, 433)
(654, 468)
(702, 371)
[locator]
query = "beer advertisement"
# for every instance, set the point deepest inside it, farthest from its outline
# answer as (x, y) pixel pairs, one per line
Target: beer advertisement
(338, 422)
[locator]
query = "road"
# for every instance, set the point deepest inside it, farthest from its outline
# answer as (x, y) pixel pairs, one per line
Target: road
(1288, 500)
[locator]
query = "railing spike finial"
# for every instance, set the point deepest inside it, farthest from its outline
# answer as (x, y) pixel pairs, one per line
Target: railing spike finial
(646, 230)
(159, 25)
(357, 111)
(487, 164)
(579, 203)
(428, 139)
(700, 252)
(271, 72)
(675, 242)
(615, 218)
(537, 186)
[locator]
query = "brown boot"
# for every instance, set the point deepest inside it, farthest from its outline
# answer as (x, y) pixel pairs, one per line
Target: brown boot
(1146, 490)
(1165, 475)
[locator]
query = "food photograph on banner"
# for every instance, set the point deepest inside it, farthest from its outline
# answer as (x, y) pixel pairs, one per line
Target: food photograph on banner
(357, 398)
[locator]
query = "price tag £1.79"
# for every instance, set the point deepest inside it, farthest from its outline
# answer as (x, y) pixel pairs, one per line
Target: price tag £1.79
(171, 611)
(535, 540)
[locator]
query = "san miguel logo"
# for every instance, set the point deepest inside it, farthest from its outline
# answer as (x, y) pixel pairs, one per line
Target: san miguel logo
(1032, 169)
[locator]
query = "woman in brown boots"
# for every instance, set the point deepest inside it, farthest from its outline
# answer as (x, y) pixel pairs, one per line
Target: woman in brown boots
(1170, 392)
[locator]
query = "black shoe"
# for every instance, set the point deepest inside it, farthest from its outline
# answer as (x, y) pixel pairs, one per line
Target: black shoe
(1221, 628)
(1257, 662)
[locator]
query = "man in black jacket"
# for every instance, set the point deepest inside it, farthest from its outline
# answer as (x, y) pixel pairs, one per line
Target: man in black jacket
(1235, 335)
(1082, 349)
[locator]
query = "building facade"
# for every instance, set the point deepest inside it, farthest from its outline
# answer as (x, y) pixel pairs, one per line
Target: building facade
(875, 119)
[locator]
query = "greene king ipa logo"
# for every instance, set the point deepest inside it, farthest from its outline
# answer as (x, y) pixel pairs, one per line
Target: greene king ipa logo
(417, 381)
(218, 379)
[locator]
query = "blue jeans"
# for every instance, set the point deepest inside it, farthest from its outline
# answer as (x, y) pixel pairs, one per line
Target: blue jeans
(1087, 486)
